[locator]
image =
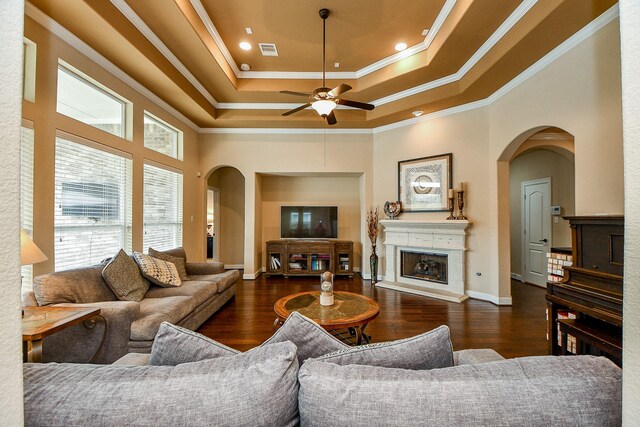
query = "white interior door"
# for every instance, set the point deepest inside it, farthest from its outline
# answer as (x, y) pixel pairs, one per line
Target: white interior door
(536, 229)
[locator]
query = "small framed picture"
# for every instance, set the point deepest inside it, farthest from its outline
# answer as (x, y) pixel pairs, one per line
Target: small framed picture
(423, 183)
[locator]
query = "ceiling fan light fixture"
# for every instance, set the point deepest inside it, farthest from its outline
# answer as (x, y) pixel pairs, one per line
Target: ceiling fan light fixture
(324, 107)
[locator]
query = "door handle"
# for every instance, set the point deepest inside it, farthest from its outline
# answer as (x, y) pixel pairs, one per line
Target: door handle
(543, 241)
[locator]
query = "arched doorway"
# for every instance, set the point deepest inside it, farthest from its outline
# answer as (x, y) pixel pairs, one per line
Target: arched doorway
(541, 192)
(225, 213)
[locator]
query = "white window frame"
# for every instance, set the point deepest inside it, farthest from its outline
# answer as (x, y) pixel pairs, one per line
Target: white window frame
(26, 195)
(179, 135)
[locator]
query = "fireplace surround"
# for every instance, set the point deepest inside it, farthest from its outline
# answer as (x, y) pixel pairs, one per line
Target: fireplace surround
(429, 241)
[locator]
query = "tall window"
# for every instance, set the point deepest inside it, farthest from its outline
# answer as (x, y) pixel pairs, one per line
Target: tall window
(90, 103)
(162, 208)
(161, 137)
(92, 212)
(26, 196)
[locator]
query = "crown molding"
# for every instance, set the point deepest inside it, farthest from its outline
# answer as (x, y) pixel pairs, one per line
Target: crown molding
(75, 42)
(286, 131)
(137, 22)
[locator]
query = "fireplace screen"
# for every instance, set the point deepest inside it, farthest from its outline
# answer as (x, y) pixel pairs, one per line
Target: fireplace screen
(422, 266)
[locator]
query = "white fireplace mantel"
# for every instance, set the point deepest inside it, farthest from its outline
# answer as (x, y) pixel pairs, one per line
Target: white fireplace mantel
(443, 237)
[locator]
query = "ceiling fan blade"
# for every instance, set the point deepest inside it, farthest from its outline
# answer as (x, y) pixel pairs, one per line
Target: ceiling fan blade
(288, 92)
(339, 89)
(295, 110)
(331, 118)
(355, 104)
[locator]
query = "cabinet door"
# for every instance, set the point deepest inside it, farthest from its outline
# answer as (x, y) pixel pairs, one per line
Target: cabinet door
(344, 258)
(297, 262)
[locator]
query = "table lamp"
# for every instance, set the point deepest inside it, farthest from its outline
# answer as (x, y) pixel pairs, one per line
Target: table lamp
(30, 253)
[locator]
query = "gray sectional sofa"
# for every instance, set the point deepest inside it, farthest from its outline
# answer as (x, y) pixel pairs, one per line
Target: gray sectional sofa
(127, 326)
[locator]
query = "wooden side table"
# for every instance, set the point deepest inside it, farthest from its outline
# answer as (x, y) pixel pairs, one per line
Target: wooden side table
(350, 311)
(39, 322)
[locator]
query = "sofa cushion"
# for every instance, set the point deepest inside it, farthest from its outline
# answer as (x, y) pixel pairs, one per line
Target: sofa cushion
(200, 291)
(79, 285)
(123, 276)
(307, 335)
(179, 262)
(154, 311)
(533, 391)
(174, 345)
(177, 252)
(429, 350)
(258, 388)
(223, 280)
(160, 272)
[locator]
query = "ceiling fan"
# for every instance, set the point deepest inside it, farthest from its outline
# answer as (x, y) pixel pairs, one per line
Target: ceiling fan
(324, 99)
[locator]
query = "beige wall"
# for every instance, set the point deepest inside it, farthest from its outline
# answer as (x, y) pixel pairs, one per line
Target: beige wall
(47, 121)
(230, 182)
(537, 164)
(340, 191)
(256, 154)
(11, 413)
(630, 35)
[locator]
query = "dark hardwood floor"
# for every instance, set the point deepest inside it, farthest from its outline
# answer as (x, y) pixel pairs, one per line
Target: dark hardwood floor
(519, 330)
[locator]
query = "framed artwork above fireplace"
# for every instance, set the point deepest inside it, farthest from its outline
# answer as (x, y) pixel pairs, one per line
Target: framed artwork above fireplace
(423, 183)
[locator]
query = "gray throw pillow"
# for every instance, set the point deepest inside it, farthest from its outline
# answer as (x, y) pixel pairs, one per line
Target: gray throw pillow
(257, 388)
(161, 273)
(179, 262)
(124, 278)
(174, 345)
(307, 335)
(531, 391)
(429, 350)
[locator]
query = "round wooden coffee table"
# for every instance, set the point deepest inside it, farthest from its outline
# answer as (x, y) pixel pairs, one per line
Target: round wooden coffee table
(349, 311)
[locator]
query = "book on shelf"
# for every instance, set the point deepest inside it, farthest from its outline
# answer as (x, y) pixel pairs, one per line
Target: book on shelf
(571, 340)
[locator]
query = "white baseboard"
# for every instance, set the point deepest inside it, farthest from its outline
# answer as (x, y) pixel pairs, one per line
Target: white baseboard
(488, 297)
(356, 269)
(516, 276)
(234, 266)
(252, 276)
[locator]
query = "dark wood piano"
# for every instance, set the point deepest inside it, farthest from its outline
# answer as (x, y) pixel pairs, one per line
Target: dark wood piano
(591, 290)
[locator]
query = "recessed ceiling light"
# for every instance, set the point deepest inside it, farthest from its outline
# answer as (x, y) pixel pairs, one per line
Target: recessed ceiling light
(245, 46)
(425, 31)
(249, 30)
(417, 113)
(336, 65)
(401, 46)
(245, 67)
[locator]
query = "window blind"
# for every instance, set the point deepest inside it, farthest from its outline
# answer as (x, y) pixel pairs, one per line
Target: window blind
(26, 197)
(92, 213)
(162, 208)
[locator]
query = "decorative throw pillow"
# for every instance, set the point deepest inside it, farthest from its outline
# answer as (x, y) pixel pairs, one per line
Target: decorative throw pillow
(429, 350)
(179, 262)
(162, 273)
(124, 278)
(307, 335)
(174, 345)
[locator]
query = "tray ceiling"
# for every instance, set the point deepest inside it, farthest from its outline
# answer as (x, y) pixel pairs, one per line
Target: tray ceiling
(187, 52)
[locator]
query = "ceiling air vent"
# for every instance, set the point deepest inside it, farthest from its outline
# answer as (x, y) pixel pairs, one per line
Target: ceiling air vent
(268, 49)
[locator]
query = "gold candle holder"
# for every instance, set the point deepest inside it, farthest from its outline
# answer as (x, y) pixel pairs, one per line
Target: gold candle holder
(451, 208)
(461, 205)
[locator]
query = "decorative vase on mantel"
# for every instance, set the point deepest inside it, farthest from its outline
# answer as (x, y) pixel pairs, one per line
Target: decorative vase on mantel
(373, 264)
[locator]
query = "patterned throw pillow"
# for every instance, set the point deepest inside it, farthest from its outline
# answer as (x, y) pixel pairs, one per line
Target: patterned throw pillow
(307, 335)
(429, 350)
(124, 278)
(162, 273)
(177, 261)
(174, 345)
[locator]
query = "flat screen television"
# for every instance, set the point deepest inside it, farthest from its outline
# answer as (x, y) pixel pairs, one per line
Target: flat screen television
(309, 222)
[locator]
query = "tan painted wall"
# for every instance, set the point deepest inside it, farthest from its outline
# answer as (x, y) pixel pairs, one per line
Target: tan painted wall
(630, 35)
(230, 182)
(11, 403)
(340, 191)
(538, 164)
(46, 121)
(254, 154)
